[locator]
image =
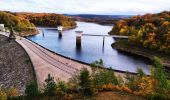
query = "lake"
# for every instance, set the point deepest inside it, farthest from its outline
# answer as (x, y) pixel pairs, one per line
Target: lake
(92, 47)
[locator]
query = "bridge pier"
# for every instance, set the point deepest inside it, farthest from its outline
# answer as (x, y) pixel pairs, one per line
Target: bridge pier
(60, 34)
(78, 38)
(43, 32)
(103, 41)
(60, 28)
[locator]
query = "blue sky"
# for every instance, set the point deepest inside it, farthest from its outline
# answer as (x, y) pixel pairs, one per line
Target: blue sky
(119, 7)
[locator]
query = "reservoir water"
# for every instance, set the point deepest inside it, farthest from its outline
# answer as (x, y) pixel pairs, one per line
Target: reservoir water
(92, 47)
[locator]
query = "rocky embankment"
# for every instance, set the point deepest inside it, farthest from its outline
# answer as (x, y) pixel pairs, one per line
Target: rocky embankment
(16, 69)
(142, 52)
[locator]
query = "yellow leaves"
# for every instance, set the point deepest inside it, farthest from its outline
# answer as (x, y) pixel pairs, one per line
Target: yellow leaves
(3, 95)
(124, 30)
(12, 92)
(121, 23)
(126, 89)
(116, 87)
(165, 24)
(146, 86)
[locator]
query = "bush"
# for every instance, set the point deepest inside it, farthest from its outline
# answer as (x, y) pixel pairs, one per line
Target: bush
(85, 83)
(97, 64)
(12, 92)
(61, 88)
(50, 86)
(3, 95)
(104, 77)
(162, 84)
(156, 96)
(32, 90)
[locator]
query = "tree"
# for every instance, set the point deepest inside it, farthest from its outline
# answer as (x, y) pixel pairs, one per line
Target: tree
(50, 86)
(85, 82)
(32, 90)
(104, 77)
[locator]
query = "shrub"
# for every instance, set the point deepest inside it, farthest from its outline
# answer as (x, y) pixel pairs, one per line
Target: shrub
(98, 63)
(50, 86)
(104, 77)
(32, 90)
(85, 82)
(61, 88)
(156, 96)
(162, 84)
(3, 95)
(12, 92)
(140, 84)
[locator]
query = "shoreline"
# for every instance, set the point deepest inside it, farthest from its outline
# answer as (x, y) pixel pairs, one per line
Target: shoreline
(36, 32)
(142, 52)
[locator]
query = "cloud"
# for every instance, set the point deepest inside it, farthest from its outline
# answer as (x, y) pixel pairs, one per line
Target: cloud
(87, 6)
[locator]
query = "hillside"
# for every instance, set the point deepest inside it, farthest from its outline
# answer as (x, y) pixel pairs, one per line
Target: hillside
(100, 19)
(19, 24)
(48, 19)
(151, 31)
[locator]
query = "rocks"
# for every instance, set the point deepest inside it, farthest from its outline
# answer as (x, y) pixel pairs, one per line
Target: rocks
(16, 69)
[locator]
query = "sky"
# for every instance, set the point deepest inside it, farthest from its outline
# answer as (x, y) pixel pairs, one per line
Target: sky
(109, 7)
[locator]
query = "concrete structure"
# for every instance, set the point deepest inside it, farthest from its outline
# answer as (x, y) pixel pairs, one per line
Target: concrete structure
(2, 28)
(78, 38)
(116, 37)
(60, 29)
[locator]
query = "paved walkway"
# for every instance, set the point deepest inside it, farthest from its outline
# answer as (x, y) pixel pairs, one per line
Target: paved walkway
(46, 62)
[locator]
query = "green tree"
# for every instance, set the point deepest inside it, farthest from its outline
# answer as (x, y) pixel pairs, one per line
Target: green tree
(50, 86)
(32, 90)
(85, 82)
(104, 77)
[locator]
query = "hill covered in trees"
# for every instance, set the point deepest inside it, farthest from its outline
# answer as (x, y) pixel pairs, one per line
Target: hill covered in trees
(19, 24)
(48, 19)
(151, 31)
(99, 19)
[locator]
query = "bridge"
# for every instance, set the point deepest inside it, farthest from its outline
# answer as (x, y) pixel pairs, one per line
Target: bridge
(114, 36)
(80, 34)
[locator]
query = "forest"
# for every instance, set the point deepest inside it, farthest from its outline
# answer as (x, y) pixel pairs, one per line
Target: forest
(17, 23)
(48, 19)
(151, 31)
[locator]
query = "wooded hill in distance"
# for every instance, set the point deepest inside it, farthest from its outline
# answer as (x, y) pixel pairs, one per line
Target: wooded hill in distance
(150, 30)
(100, 19)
